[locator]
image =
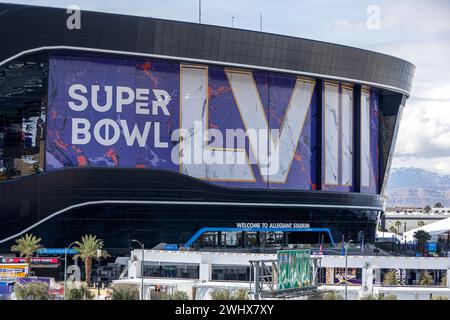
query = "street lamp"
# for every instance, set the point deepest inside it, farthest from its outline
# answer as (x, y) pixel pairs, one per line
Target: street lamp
(65, 267)
(142, 268)
(346, 276)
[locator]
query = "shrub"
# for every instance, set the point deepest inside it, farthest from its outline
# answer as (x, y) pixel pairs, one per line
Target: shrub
(159, 295)
(315, 297)
(223, 294)
(218, 294)
(425, 279)
(32, 291)
(390, 278)
(82, 293)
(369, 296)
(180, 295)
(241, 294)
(332, 295)
(125, 294)
(389, 296)
(439, 298)
(444, 281)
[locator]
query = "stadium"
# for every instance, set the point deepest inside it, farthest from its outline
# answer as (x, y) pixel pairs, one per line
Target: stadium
(186, 135)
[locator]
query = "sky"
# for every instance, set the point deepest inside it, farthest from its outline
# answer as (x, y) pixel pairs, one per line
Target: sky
(415, 30)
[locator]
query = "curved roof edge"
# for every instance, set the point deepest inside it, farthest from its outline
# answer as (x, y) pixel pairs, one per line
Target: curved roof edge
(27, 29)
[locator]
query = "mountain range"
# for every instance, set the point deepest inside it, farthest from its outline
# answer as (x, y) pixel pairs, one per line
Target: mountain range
(414, 187)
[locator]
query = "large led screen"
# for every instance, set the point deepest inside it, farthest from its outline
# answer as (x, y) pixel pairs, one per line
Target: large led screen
(232, 127)
(339, 139)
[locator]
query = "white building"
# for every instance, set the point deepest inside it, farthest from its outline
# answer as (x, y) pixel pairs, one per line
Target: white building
(435, 229)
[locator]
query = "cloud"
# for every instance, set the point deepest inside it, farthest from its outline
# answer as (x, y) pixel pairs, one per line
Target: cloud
(438, 164)
(425, 127)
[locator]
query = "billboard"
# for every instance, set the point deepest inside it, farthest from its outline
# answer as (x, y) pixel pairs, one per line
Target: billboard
(9, 271)
(38, 260)
(294, 269)
(233, 127)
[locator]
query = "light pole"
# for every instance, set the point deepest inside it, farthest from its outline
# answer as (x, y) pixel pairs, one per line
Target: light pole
(65, 267)
(346, 249)
(142, 268)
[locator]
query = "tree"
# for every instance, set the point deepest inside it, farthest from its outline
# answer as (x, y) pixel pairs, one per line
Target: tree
(427, 208)
(422, 238)
(180, 295)
(27, 246)
(32, 291)
(390, 278)
(425, 279)
(438, 205)
(444, 281)
(398, 224)
(87, 250)
(392, 229)
(82, 293)
(125, 294)
(421, 223)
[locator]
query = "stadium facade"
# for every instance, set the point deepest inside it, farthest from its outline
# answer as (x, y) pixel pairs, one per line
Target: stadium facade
(180, 133)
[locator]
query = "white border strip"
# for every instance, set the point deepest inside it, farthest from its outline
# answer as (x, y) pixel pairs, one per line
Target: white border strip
(194, 60)
(198, 203)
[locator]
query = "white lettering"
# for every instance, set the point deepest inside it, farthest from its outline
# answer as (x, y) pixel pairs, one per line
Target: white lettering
(74, 95)
(163, 99)
(107, 140)
(135, 134)
(121, 100)
(158, 142)
(142, 107)
(77, 131)
(94, 98)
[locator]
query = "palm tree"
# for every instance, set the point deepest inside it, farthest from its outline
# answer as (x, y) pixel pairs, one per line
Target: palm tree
(87, 250)
(422, 238)
(392, 229)
(421, 223)
(398, 224)
(390, 278)
(426, 279)
(27, 246)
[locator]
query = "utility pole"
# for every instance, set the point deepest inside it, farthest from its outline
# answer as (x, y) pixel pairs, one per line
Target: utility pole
(65, 268)
(200, 11)
(260, 22)
(346, 275)
(142, 268)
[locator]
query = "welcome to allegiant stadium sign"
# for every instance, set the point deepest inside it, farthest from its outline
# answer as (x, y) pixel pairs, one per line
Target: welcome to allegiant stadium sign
(272, 225)
(212, 123)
